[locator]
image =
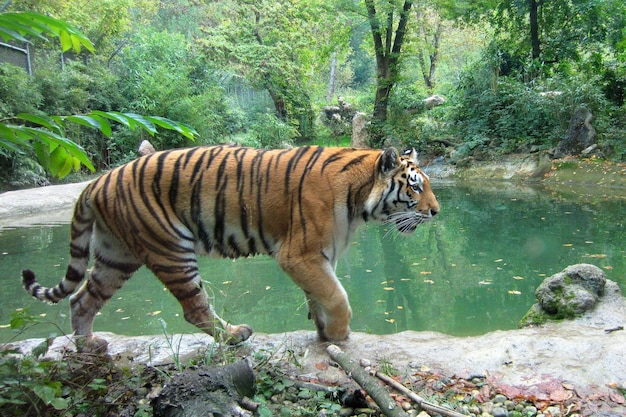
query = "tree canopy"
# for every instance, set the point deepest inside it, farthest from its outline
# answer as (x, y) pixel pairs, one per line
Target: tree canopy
(260, 73)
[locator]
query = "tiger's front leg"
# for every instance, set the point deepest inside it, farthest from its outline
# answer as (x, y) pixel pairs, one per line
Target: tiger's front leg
(327, 299)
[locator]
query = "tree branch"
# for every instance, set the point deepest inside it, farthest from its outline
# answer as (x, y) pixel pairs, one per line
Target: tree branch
(425, 405)
(378, 393)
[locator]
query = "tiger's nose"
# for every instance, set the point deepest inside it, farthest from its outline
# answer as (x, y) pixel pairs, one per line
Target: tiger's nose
(433, 212)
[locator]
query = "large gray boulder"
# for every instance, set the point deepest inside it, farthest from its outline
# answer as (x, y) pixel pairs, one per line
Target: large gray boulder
(567, 294)
(579, 136)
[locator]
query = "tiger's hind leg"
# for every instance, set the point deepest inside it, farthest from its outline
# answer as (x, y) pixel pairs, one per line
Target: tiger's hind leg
(183, 280)
(113, 266)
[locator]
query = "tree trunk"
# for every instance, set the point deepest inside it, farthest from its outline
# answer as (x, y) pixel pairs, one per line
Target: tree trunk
(534, 28)
(333, 77)
(387, 62)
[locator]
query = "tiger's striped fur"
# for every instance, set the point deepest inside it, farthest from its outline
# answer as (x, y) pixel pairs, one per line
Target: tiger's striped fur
(300, 206)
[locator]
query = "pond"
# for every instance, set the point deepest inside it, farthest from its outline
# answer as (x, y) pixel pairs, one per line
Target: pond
(472, 270)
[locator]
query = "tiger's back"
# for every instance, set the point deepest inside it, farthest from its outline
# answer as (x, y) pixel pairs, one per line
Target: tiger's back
(298, 205)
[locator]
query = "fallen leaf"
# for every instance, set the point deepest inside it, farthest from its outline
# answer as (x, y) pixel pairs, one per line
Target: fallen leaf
(514, 292)
(388, 288)
(485, 283)
(517, 277)
(617, 397)
(429, 281)
(155, 313)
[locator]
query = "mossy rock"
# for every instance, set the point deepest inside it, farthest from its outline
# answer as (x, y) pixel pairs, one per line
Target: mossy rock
(566, 295)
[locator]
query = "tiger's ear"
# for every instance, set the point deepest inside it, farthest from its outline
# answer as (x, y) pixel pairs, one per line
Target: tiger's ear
(411, 154)
(389, 160)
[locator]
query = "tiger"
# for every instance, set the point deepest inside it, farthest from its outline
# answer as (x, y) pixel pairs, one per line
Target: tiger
(300, 206)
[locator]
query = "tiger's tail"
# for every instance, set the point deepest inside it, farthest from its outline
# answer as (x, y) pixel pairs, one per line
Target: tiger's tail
(82, 224)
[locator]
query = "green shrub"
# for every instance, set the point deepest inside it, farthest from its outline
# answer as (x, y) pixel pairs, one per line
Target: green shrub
(270, 132)
(17, 92)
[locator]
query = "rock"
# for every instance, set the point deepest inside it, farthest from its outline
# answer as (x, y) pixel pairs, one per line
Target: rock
(567, 294)
(360, 134)
(433, 101)
(145, 148)
(499, 412)
(579, 136)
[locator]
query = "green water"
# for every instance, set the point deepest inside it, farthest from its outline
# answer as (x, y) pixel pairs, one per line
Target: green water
(471, 271)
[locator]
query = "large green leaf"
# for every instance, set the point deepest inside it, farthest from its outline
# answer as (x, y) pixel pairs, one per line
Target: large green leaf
(61, 155)
(20, 25)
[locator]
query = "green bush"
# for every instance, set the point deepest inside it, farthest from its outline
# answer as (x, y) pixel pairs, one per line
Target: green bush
(515, 115)
(17, 92)
(270, 132)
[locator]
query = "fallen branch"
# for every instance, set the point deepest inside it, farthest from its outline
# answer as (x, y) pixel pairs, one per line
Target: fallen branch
(378, 392)
(429, 407)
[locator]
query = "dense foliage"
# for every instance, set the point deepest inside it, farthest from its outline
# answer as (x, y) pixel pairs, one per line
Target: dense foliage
(260, 73)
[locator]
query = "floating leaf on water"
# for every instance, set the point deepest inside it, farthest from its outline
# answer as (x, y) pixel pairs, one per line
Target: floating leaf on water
(483, 282)
(429, 281)
(5, 253)
(380, 301)
(589, 241)
(119, 310)
(415, 263)
(390, 320)
(514, 292)
(368, 270)
(43, 315)
(267, 288)
(383, 283)
(227, 282)
(498, 260)
(4, 326)
(405, 279)
(125, 318)
(608, 267)
(452, 264)
(388, 288)
(400, 307)
(595, 255)
(154, 313)
(425, 272)
(568, 244)
(517, 277)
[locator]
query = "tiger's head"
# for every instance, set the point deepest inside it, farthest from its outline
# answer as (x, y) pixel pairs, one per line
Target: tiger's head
(401, 194)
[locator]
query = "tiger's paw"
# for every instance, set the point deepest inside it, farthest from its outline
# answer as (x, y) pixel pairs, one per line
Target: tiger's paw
(91, 345)
(238, 334)
(333, 334)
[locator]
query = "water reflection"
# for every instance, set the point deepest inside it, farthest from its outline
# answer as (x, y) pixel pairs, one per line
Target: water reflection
(473, 270)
